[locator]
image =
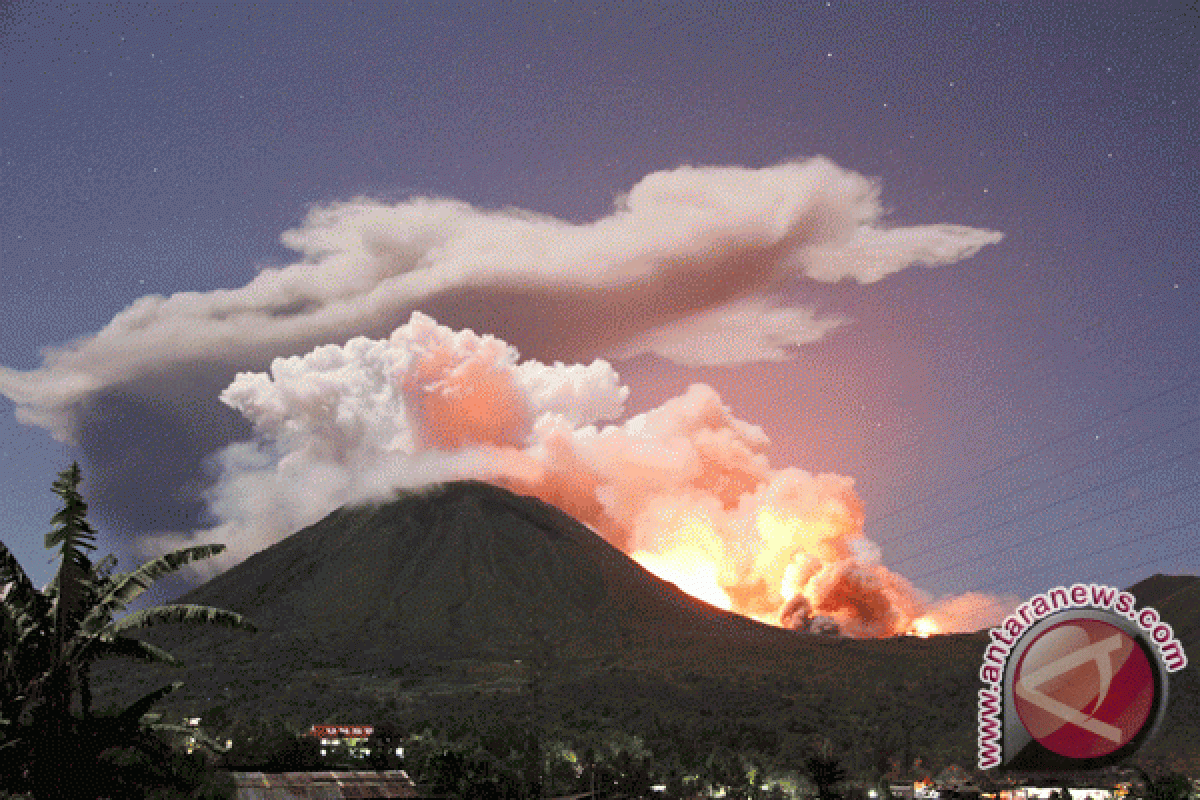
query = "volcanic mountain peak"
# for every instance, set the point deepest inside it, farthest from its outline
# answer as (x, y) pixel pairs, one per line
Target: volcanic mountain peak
(453, 602)
(463, 563)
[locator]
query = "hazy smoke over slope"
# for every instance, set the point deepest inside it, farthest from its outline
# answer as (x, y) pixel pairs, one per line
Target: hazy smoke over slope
(686, 489)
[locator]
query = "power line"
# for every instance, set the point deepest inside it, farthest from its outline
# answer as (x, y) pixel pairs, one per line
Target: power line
(1011, 492)
(1041, 536)
(1117, 545)
(944, 493)
(1045, 507)
(1038, 449)
(1190, 550)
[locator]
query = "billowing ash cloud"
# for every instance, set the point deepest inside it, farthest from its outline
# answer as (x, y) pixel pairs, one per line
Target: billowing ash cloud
(692, 264)
(686, 489)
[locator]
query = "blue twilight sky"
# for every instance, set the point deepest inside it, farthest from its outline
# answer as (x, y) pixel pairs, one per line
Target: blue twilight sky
(1025, 416)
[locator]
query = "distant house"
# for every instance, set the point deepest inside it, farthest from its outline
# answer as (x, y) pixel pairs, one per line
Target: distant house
(1044, 793)
(352, 737)
(322, 785)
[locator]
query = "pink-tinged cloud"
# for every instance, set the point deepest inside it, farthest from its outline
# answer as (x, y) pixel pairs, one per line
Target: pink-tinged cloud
(687, 488)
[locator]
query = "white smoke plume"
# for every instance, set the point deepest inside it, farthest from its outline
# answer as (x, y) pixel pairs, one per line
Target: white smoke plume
(687, 489)
(693, 264)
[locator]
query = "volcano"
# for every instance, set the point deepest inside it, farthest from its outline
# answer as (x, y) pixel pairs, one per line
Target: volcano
(466, 567)
(453, 590)
(466, 602)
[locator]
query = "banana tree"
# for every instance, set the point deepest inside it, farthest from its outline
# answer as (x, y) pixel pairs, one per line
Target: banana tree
(50, 637)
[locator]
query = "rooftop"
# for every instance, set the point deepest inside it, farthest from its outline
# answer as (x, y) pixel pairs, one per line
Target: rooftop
(322, 785)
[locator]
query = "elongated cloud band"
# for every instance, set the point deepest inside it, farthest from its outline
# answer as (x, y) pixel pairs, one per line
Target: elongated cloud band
(690, 265)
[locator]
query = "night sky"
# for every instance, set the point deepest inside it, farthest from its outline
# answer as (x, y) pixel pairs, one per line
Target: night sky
(1021, 416)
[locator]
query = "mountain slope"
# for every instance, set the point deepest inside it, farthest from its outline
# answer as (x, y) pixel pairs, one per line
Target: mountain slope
(462, 565)
(449, 605)
(1177, 599)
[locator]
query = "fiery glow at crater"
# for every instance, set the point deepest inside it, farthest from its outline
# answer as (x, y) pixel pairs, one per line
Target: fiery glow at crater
(689, 568)
(687, 489)
(924, 627)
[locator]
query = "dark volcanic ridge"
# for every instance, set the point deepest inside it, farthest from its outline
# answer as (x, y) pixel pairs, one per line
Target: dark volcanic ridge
(464, 566)
(452, 602)
(1177, 599)
(467, 568)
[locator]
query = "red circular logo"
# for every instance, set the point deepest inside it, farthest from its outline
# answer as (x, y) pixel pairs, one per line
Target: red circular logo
(1084, 688)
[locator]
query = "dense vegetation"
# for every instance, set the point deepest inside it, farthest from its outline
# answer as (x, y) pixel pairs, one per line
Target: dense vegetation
(53, 744)
(514, 760)
(615, 681)
(464, 609)
(520, 759)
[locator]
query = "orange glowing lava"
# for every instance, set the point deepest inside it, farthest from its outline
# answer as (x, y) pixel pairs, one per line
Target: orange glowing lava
(924, 627)
(689, 568)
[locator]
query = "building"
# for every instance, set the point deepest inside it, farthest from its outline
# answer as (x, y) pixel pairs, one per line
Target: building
(1044, 793)
(352, 737)
(198, 739)
(323, 785)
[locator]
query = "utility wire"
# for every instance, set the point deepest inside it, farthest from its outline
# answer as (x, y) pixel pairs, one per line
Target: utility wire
(941, 493)
(1189, 550)
(1109, 513)
(1035, 482)
(1046, 506)
(1116, 545)
(1037, 449)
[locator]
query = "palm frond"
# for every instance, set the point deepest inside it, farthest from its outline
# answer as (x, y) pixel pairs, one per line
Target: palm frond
(73, 536)
(134, 713)
(27, 626)
(180, 614)
(198, 736)
(22, 620)
(20, 592)
(124, 647)
(124, 589)
(103, 569)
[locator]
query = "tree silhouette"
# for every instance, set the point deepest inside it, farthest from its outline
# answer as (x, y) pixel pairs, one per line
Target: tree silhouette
(1168, 786)
(51, 636)
(384, 740)
(826, 772)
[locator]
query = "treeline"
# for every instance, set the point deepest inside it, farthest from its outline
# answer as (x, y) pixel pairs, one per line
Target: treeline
(511, 761)
(515, 761)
